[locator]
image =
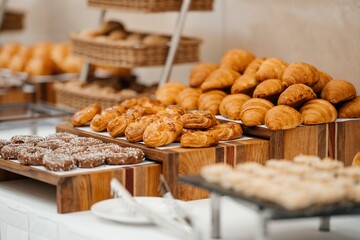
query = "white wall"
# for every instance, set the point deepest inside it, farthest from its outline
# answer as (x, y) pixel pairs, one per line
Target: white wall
(325, 33)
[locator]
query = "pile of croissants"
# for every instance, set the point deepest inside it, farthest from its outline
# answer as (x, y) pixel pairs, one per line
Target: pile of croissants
(264, 90)
(148, 120)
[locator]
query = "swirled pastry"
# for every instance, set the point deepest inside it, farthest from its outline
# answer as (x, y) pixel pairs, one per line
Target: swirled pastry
(236, 59)
(230, 106)
(166, 94)
(227, 131)
(282, 117)
(198, 139)
(252, 68)
(244, 84)
(350, 109)
(142, 101)
(269, 89)
(100, 121)
(323, 80)
(172, 110)
(210, 101)
(200, 72)
(271, 68)
(135, 130)
(253, 111)
(296, 95)
(85, 115)
(188, 98)
(219, 79)
(300, 73)
(118, 125)
(198, 120)
(338, 91)
(318, 111)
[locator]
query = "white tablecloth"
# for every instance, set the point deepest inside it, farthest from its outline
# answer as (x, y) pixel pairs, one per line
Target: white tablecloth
(28, 211)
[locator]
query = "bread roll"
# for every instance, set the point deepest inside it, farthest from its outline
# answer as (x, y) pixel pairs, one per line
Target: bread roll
(350, 109)
(219, 79)
(155, 40)
(200, 72)
(271, 68)
(188, 98)
(300, 73)
(337, 91)
(167, 93)
(282, 117)
(318, 111)
(40, 66)
(117, 35)
(230, 106)
(253, 111)
(296, 95)
(236, 59)
(269, 89)
(210, 101)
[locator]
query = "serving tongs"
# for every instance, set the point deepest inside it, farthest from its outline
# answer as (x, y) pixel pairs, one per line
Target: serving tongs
(176, 227)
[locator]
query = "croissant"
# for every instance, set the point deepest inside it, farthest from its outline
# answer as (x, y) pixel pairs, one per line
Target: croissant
(198, 120)
(318, 111)
(210, 101)
(252, 68)
(219, 79)
(85, 115)
(198, 139)
(135, 130)
(226, 131)
(244, 84)
(166, 94)
(200, 72)
(253, 111)
(117, 126)
(323, 80)
(271, 68)
(230, 106)
(338, 91)
(350, 109)
(100, 121)
(236, 59)
(172, 110)
(356, 160)
(295, 95)
(300, 73)
(269, 89)
(188, 98)
(282, 117)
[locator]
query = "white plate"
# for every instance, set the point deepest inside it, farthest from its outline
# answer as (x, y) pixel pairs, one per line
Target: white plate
(112, 209)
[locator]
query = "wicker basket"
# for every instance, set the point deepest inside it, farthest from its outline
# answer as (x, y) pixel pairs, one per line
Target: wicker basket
(151, 5)
(120, 54)
(13, 20)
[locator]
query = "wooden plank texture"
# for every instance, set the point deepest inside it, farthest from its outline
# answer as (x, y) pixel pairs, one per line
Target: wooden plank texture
(347, 140)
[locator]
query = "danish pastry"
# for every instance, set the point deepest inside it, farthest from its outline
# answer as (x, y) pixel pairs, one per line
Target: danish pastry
(269, 89)
(338, 91)
(219, 79)
(188, 98)
(300, 73)
(230, 106)
(252, 68)
(244, 84)
(100, 121)
(236, 59)
(318, 111)
(253, 111)
(350, 109)
(210, 101)
(135, 130)
(172, 110)
(296, 95)
(323, 80)
(198, 120)
(282, 117)
(118, 125)
(200, 72)
(166, 94)
(227, 131)
(271, 68)
(198, 139)
(85, 115)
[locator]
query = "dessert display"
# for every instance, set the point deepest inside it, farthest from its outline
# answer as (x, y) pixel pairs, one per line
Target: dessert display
(65, 151)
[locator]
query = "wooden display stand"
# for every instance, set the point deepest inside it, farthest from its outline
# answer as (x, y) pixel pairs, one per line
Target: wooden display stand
(16, 96)
(78, 191)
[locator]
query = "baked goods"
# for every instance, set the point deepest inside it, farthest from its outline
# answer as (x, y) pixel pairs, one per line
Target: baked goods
(188, 98)
(200, 72)
(38, 66)
(318, 111)
(219, 79)
(84, 141)
(198, 139)
(198, 120)
(269, 89)
(350, 109)
(167, 93)
(337, 91)
(32, 155)
(127, 155)
(300, 73)
(85, 115)
(58, 162)
(135, 130)
(213, 173)
(356, 160)
(118, 125)
(282, 117)
(3, 142)
(100, 121)
(51, 144)
(89, 159)
(10, 151)
(253, 66)
(271, 68)
(230, 106)
(32, 139)
(171, 110)
(63, 136)
(226, 131)
(253, 111)
(236, 59)
(296, 95)
(324, 78)
(210, 101)
(244, 84)
(152, 40)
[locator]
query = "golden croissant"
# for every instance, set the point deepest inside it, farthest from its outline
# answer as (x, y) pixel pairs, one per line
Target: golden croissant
(227, 131)
(230, 106)
(350, 109)
(161, 133)
(300, 73)
(253, 111)
(282, 117)
(338, 91)
(100, 121)
(236, 59)
(198, 120)
(210, 101)
(296, 95)
(200, 72)
(244, 84)
(252, 68)
(323, 80)
(85, 115)
(269, 89)
(166, 94)
(198, 139)
(318, 111)
(219, 79)
(135, 130)
(271, 68)
(188, 98)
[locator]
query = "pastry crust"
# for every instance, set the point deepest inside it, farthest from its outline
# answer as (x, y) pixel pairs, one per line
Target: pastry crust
(350, 109)
(244, 84)
(296, 95)
(300, 73)
(135, 130)
(356, 160)
(85, 115)
(338, 91)
(198, 139)
(252, 68)
(269, 89)
(230, 106)
(219, 79)
(118, 125)
(236, 59)
(188, 98)
(253, 111)
(271, 68)
(318, 111)
(226, 131)
(200, 72)
(323, 80)
(210, 101)
(167, 94)
(100, 121)
(282, 117)
(198, 120)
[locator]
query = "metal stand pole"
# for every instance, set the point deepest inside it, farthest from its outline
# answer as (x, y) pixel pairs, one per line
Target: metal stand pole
(262, 230)
(174, 42)
(2, 11)
(324, 224)
(215, 215)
